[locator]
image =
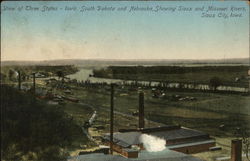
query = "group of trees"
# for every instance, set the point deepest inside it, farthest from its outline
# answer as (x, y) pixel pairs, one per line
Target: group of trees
(11, 72)
(173, 69)
(13, 75)
(214, 76)
(33, 130)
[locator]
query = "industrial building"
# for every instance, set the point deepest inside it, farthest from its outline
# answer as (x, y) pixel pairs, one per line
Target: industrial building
(177, 138)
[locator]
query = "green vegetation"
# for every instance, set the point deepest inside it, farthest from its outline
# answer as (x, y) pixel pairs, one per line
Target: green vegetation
(196, 74)
(33, 130)
(215, 82)
(207, 112)
(7, 72)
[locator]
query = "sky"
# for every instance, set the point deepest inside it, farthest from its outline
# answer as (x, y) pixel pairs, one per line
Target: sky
(59, 34)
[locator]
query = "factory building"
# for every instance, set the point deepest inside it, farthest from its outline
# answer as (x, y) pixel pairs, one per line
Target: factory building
(177, 138)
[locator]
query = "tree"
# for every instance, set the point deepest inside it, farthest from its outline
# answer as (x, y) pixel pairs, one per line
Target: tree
(215, 82)
(60, 74)
(2, 77)
(11, 74)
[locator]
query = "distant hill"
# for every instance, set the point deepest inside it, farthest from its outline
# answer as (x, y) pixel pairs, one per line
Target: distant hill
(105, 62)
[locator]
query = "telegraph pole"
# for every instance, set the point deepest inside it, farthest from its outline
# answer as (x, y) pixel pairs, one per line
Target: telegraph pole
(111, 118)
(141, 110)
(248, 74)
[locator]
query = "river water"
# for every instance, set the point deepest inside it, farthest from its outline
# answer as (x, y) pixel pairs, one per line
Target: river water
(84, 75)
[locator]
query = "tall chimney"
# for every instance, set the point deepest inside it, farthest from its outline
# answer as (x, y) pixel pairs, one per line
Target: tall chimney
(141, 110)
(236, 150)
(19, 80)
(111, 118)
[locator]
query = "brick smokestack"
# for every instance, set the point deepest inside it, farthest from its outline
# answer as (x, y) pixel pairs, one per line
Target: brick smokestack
(141, 110)
(236, 150)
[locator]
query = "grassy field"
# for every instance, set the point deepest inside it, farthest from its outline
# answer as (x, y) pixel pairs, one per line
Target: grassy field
(207, 113)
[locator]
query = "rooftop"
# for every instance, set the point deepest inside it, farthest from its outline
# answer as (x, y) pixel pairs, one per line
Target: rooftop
(126, 139)
(181, 133)
(165, 155)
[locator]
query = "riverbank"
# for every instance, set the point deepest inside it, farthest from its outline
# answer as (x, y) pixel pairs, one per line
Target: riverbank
(229, 75)
(87, 75)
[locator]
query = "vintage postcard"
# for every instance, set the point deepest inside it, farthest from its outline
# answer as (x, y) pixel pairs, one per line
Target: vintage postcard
(125, 81)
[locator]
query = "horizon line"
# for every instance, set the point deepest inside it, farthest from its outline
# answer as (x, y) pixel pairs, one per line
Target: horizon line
(105, 59)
